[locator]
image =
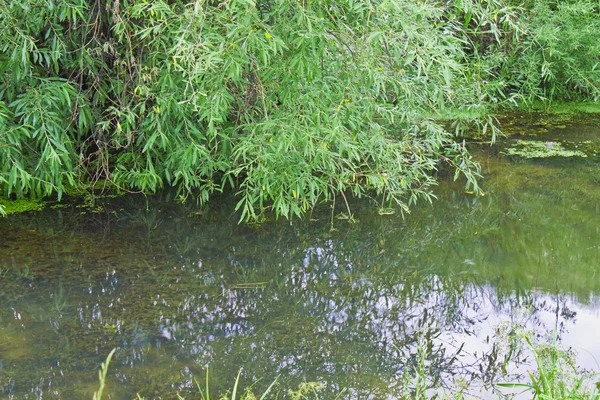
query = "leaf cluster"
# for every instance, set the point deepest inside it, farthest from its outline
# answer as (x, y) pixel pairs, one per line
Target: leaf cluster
(288, 103)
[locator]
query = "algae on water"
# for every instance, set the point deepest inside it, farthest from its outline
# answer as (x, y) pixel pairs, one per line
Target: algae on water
(537, 149)
(18, 206)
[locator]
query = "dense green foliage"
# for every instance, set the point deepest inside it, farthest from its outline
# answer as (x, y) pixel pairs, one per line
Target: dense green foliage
(289, 103)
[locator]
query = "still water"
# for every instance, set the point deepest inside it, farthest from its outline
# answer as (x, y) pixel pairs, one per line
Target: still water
(176, 288)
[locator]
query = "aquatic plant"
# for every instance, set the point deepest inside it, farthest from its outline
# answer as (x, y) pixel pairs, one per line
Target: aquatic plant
(233, 395)
(60, 300)
(102, 376)
(556, 375)
(538, 149)
(18, 206)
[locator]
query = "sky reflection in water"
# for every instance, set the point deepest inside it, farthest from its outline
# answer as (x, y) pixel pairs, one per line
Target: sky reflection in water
(176, 288)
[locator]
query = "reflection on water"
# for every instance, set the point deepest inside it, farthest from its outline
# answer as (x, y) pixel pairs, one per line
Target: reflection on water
(176, 288)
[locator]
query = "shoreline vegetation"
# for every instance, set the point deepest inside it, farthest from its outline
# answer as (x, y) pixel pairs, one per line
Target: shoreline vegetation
(86, 196)
(286, 104)
(554, 376)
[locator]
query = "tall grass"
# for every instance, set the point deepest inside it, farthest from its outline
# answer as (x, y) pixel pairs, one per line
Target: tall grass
(556, 375)
(245, 395)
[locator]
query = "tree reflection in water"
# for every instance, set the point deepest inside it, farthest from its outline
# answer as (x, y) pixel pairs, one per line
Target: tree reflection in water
(176, 291)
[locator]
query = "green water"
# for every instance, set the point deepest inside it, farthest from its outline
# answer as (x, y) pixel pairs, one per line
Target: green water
(176, 288)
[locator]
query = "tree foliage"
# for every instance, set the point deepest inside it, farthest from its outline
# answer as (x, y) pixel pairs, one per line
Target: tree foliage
(289, 103)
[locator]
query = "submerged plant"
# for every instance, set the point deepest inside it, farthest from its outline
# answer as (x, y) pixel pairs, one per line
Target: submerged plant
(556, 378)
(60, 299)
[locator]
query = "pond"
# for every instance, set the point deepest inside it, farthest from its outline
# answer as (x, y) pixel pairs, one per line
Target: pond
(177, 287)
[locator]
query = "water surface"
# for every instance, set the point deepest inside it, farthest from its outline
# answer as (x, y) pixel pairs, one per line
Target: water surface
(177, 287)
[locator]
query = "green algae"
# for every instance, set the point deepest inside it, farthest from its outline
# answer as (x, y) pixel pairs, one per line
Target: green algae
(84, 198)
(537, 149)
(8, 207)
